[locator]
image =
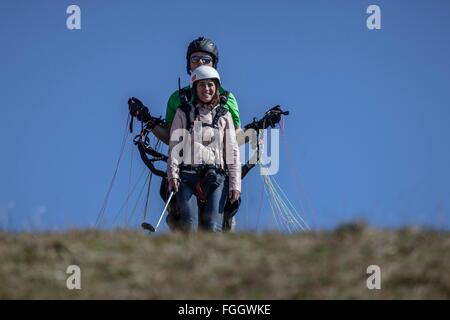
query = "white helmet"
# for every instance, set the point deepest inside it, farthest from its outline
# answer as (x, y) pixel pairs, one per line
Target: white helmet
(204, 72)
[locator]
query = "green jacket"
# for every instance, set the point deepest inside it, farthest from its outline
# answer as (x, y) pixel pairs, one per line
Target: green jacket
(174, 102)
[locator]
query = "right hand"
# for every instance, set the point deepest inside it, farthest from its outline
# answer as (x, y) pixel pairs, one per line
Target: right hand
(134, 106)
(138, 110)
(174, 185)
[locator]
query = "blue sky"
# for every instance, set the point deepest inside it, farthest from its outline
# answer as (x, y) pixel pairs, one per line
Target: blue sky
(369, 109)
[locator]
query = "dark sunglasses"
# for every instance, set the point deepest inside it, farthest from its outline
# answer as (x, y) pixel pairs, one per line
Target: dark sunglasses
(204, 59)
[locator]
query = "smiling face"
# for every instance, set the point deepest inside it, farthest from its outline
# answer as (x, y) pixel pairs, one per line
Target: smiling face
(206, 90)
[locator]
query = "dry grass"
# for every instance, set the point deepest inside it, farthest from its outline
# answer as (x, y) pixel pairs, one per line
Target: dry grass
(322, 265)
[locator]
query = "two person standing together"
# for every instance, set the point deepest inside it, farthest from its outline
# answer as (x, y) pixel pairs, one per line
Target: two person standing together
(204, 168)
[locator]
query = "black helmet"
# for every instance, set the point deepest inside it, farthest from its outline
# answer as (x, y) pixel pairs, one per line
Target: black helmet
(205, 45)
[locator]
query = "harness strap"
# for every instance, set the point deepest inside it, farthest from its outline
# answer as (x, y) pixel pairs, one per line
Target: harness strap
(185, 96)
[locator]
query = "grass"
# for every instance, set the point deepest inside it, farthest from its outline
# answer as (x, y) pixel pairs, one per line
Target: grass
(318, 265)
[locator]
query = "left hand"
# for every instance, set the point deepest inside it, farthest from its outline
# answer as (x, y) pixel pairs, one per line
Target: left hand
(234, 195)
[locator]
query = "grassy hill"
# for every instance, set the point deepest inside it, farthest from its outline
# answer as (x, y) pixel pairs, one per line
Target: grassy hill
(129, 264)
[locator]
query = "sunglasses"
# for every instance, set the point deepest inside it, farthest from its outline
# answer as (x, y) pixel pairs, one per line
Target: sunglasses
(203, 59)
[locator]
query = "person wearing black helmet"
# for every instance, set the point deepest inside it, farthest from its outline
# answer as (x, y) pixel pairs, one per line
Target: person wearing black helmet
(202, 45)
(202, 51)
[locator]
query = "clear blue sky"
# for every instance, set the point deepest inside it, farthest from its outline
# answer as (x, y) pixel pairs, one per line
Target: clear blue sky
(368, 130)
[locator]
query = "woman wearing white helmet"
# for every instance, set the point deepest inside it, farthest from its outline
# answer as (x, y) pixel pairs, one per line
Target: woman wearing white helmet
(208, 169)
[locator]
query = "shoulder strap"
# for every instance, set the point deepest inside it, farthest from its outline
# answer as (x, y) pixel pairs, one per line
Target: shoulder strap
(186, 108)
(220, 110)
(185, 95)
(224, 97)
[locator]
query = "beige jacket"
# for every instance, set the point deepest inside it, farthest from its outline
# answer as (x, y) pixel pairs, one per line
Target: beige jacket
(207, 146)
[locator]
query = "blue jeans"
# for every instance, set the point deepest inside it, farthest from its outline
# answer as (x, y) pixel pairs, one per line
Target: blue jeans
(211, 217)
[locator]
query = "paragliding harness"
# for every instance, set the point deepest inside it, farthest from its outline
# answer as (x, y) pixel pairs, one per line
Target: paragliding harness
(141, 112)
(185, 95)
(210, 177)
